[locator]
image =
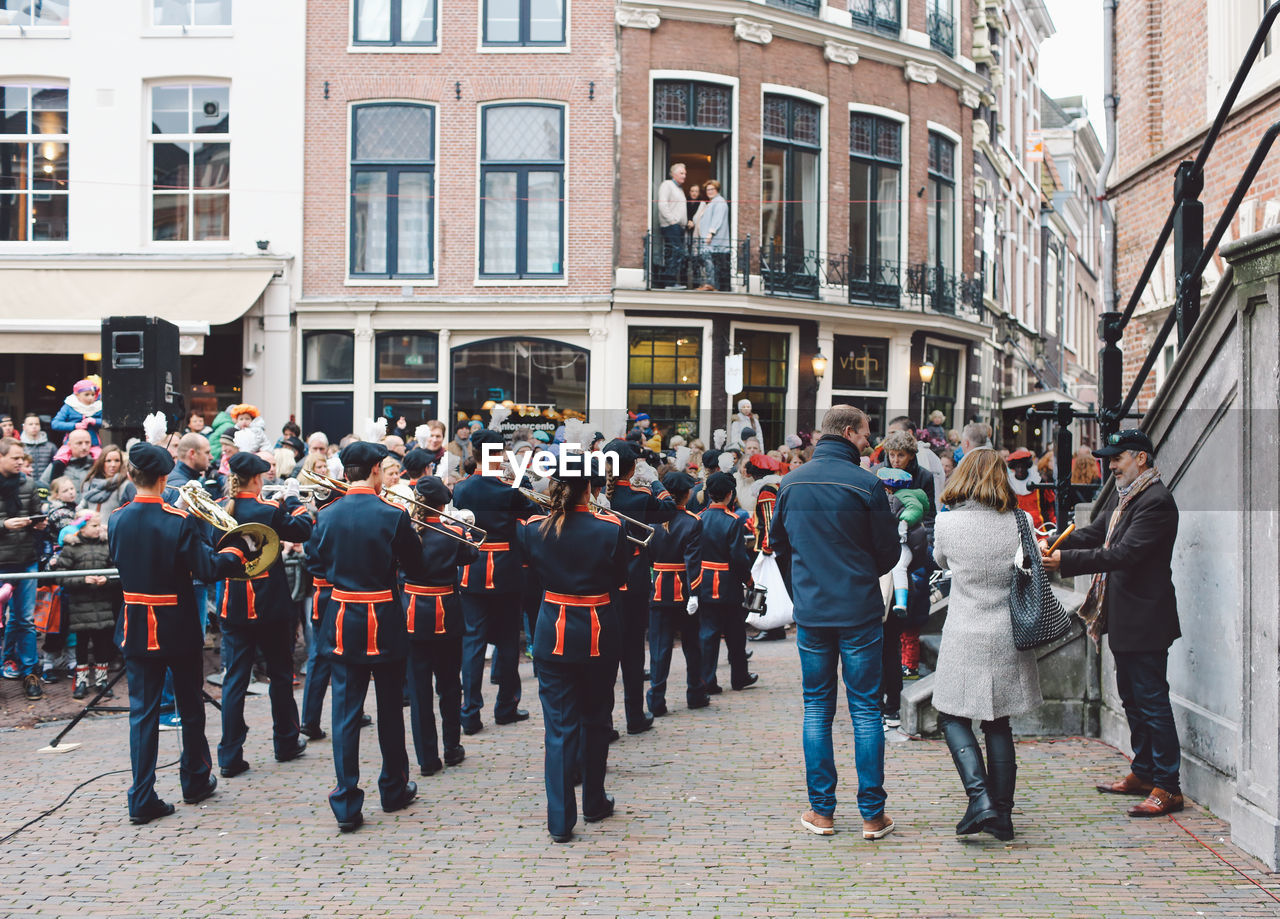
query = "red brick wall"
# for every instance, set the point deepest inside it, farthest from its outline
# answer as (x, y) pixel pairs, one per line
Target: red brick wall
(589, 173)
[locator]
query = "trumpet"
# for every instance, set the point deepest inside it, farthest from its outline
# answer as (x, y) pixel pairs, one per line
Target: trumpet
(538, 497)
(473, 535)
(212, 513)
(305, 492)
(321, 485)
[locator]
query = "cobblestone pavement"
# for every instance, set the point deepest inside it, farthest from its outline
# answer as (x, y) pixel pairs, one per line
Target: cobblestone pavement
(707, 825)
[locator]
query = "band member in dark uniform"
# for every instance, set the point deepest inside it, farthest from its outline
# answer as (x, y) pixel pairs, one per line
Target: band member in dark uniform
(490, 588)
(726, 569)
(433, 616)
(257, 615)
(580, 557)
(319, 664)
(158, 550)
(677, 568)
(765, 469)
(415, 465)
(652, 505)
(359, 541)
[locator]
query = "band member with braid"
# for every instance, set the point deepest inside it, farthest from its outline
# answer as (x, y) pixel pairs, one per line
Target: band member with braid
(677, 569)
(257, 615)
(158, 550)
(726, 569)
(764, 471)
(359, 542)
(652, 505)
(490, 587)
(433, 615)
(580, 557)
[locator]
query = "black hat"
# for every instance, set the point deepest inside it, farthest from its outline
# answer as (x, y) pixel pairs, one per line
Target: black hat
(486, 436)
(711, 459)
(246, 465)
(677, 482)
(362, 453)
(576, 466)
(150, 459)
(626, 452)
(720, 484)
(416, 461)
(295, 444)
(1130, 439)
(432, 490)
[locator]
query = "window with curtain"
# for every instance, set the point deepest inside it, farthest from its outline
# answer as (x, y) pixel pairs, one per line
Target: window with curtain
(394, 22)
(328, 357)
(524, 22)
(34, 158)
(189, 12)
(34, 15)
(392, 190)
(190, 162)
(522, 191)
(875, 192)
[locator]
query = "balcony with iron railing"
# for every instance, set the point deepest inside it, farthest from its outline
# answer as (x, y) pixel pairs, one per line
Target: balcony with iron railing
(882, 16)
(942, 31)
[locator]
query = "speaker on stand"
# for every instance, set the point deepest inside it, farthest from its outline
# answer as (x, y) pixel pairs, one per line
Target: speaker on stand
(141, 374)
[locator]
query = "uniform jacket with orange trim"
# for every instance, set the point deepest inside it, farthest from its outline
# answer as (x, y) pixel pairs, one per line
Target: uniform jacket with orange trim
(497, 507)
(677, 559)
(834, 535)
(653, 505)
(265, 598)
(589, 557)
(762, 516)
(159, 550)
(430, 613)
(726, 561)
(357, 546)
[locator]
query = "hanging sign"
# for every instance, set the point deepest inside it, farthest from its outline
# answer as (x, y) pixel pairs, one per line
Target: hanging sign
(732, 374)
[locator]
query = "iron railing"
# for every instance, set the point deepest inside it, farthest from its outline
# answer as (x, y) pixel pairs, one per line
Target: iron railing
(883, 16)
(875, 282)
(809, 7)
(692, 265)
(942, 31)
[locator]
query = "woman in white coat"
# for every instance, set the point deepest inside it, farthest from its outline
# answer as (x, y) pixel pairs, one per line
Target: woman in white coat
(980, 673)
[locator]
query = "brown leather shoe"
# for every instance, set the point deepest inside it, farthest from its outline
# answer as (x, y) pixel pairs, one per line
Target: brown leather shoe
(1129, 785)
(877, 827)
(1157, 804)
(818, 823)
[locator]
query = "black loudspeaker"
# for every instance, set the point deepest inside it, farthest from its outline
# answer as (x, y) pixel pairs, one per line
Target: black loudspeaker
(141, 372)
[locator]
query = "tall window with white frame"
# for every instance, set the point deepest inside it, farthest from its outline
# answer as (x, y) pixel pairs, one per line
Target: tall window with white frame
(524, 22)
(189, 13)
(941, 26)
(190, 162)
(34, 157)
(875, 177)
(394, 22)
(392, 190)
(790, 190)
(30, 14)
(941, 212)
(522, 191)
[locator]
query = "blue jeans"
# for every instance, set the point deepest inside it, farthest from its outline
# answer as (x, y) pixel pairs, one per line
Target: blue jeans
(856, 649)
(20, 623)
(1144, 690)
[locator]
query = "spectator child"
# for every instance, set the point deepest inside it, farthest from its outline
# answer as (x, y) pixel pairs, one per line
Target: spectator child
(82, 411)
(61, 511)
(88, 604)
(909, 506)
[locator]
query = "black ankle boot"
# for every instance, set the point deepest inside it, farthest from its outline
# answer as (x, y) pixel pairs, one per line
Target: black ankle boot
(1002, 772)
(967, 756)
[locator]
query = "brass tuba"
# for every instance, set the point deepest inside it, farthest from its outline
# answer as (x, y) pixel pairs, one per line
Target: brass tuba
(212, 513)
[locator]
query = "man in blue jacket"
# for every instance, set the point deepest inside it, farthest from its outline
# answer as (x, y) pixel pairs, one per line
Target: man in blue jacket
(834, 536)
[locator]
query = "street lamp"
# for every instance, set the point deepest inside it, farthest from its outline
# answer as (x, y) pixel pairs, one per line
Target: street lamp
(926, 377)
(819, 366)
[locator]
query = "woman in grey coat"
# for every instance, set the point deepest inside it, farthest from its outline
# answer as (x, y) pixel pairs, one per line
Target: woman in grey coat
(980, 674)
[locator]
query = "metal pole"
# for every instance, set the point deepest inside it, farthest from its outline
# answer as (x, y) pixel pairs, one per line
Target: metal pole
(1188, 243)
(57, 575)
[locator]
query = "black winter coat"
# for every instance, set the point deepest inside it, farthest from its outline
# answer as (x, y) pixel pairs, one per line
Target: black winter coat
(18, 547)
(88, 606)
(1141, 607)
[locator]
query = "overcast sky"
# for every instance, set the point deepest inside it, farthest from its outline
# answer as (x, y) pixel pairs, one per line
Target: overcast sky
(1071, 61)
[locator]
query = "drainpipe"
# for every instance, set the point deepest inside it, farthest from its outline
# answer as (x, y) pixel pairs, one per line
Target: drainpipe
(1110, 358)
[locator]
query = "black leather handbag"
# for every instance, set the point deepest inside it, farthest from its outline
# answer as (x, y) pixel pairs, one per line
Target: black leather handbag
(1039, 617)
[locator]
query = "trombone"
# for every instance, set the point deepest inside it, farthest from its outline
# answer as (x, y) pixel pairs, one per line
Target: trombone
(545, 500)
(322, 485)
(212, 513)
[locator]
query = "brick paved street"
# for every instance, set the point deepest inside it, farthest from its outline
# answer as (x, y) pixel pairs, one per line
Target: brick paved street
(707, 825)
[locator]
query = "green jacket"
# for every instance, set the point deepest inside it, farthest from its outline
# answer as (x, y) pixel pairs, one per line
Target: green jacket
(914, 505)
(222, 424)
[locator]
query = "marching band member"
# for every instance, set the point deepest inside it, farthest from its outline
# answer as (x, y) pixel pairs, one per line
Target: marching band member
(319, 664)
(257, 616)
(652, 505)
(433, 616)
(359, 541)
(415, 465)
(490, 588)
(767, 472)
(158, 549)
(677, 568)
(580, 557)
(726, 568)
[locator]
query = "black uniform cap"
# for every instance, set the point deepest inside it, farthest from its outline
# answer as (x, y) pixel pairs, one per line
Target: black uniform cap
(432, 490)
(626, 451)
(362, 453)
(247, 465)
(720, 485)
(678, 482)
(480, 438)
(711, 459)
(416, 461)
(150, 459)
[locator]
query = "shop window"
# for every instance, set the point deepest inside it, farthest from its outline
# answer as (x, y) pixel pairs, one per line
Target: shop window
(524, 22)
(860, 364)
(522, 191)
(539, 380)
(664, 377)
(395, 22)
(392, 190)
(406, 356)
(190, 162)
(764, 379)
(414, 408)
(34, 162)
(328, 357)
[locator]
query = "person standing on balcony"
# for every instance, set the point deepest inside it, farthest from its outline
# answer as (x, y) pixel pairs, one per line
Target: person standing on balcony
(713, 237)
(673, 220)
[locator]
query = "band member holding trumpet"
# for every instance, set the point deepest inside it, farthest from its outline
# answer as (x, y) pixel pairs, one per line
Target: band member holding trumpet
(319, 663)
(726, 569)
(652, 506)
(359, 542)
(490, 588)
(158, 549)
(256, 615)
(433, 614)
(581, 557)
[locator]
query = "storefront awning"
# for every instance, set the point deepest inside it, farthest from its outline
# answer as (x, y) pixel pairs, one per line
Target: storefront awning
(1040, 398)
(59, 310)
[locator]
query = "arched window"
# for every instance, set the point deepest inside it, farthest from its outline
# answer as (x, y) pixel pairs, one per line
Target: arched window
(392, 190)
